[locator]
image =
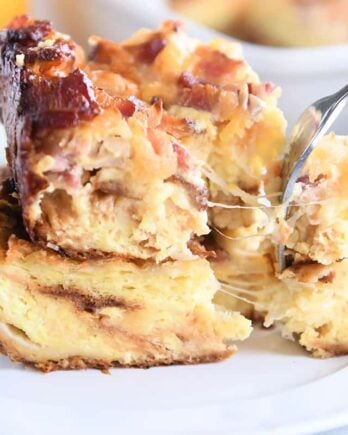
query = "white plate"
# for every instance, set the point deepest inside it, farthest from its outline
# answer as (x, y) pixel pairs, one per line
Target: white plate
(270, 386)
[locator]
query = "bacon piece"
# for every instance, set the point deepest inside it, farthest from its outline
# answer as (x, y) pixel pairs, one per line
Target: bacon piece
(148, 50)
(203, 97)
(127, 107)
(26, 37)
(179, 127)
(261, 90)
(28, 32)
(182, 156)
(210, 98)
(187, 80)
(310, 272)
(215, 67)
(71, 177)
(58, 102)
(305, 180)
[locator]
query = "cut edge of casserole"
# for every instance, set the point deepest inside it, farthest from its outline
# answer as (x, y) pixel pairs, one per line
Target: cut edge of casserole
(60, 313)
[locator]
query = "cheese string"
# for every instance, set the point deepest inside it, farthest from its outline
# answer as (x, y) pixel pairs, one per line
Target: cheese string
(239, 238)
(212, 204)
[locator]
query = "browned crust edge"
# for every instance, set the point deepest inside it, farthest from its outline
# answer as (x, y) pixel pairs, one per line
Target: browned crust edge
(79, 363)
(331, 350)
(93, 254)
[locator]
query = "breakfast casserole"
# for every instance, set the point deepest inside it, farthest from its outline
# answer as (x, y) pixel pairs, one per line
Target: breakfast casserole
(140, 218)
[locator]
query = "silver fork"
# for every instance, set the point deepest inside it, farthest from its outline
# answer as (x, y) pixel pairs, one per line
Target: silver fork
(308, 130)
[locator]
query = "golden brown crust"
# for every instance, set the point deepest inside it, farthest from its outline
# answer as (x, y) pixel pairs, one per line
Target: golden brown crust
(310, 272)
(320, 349)
(78, 363)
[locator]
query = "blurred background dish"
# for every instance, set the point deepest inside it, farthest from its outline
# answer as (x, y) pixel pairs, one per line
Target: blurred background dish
(222, 15)
(288, 23)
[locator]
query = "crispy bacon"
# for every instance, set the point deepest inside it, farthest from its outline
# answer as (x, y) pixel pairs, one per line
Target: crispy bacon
(58, 102)
(199, 96)
(261, 90)
(24, 36)
(210, 98)
(187, 80)
(310, 272)
(156, 113)
(28, 32)
(306, 182)
(215, 67)
(148, 50)
(70, 176)
(196, 93)
(182, 156)
(179, 127)
(127, 107)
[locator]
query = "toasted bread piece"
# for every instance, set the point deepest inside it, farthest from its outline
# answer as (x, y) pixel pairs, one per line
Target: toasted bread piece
(60, 313)
(96, 170)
